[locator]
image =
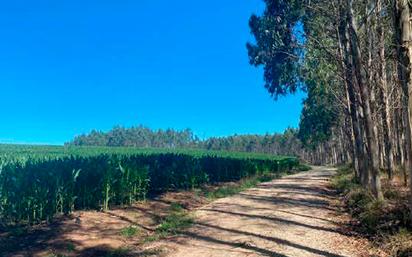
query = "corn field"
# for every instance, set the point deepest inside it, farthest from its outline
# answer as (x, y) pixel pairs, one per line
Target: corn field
(39, 182)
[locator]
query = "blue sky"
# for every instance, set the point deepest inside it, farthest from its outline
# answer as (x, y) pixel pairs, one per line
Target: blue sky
(67, 67)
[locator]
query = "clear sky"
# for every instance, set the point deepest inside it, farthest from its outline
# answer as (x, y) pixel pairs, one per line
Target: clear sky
(67, 67)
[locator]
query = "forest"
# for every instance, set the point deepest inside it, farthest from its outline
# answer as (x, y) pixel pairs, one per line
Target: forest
(286, 143)
(353, 58)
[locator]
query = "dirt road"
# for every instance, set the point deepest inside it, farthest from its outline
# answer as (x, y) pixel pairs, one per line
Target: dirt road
(292, 216)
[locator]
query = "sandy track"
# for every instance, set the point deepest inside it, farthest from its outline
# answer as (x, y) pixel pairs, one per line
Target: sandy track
(292, 216)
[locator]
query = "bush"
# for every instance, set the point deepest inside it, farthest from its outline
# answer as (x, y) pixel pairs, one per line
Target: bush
(344, 181)
(358, 199)
(372, 215)
(391, 193)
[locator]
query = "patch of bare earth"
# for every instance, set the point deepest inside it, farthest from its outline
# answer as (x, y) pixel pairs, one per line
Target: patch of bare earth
(94, 233)
(293, 216)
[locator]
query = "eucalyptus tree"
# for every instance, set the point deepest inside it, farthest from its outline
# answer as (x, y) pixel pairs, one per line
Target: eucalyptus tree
(332, 46)
(403, 39)
(277, 48)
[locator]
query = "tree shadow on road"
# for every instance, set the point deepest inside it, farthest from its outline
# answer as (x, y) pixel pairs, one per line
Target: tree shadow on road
(244, 246)
(277, 220)
(309, 203)
(256, 249)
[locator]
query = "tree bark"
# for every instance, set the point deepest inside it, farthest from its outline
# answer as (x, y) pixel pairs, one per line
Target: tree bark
(404, 40)
(360, 160)
(383, 93)
(372, 143)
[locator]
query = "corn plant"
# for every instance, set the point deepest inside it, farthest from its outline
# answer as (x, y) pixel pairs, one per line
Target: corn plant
(39, 182)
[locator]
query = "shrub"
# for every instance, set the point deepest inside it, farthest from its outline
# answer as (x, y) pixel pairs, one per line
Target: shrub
(358, 199)
(371, 215)
(344, 181)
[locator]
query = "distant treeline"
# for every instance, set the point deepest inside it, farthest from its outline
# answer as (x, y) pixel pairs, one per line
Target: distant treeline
(286, 143)
(140, 136)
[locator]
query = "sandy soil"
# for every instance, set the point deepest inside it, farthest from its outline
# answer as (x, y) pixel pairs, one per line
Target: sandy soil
(94, 233)
(293, 216)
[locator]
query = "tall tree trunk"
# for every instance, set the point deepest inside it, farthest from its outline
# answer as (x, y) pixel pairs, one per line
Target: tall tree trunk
(360, 161)
(383, 88)
(404, 40)
(372, 143)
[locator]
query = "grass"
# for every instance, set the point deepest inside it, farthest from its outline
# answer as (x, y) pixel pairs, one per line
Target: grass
(120, 252)
(386, 223)
(303, 167)
(228, 190)
(175, 222)
(129, 231)
(70, 247)
(400, 243)
(18, 231)
(126, 252)
(344, 181)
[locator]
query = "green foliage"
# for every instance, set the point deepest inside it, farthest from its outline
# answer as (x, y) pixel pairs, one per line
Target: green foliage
(18, 231)
(36, 183)
(285, 143)
(70, 247)
(129, 231)
(322, 109)
(244, 184)
(359, 200)
(344, 181)
(319, 115)
(374, 216)
(120, 252)
(370, 213)
(139, 136)
(224, 191)
(277, 46)
(288, 36)
(303, 167)
(176, 221)
(400, 244)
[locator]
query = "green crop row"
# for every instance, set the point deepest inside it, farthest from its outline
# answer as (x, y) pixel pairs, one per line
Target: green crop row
(39, 182)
